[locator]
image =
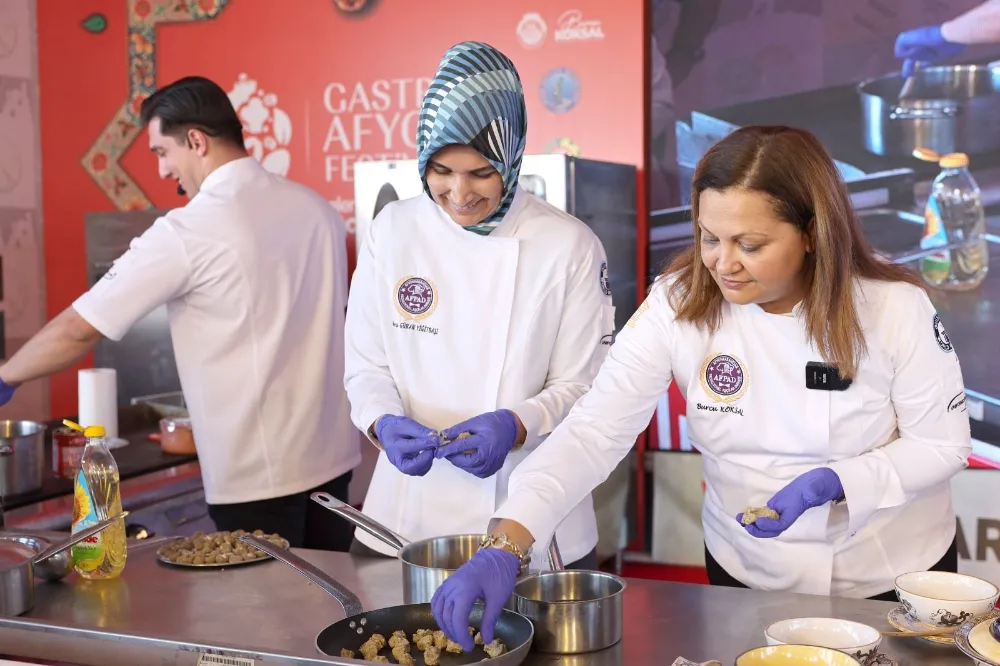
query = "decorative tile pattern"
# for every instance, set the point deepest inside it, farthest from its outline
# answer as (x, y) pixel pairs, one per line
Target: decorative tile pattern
(102, 160)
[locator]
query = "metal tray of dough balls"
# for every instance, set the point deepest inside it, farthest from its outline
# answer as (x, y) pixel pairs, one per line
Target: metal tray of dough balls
(218, 549)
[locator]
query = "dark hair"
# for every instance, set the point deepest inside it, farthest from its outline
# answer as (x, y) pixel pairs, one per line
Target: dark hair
(193, 102)
(791, 167)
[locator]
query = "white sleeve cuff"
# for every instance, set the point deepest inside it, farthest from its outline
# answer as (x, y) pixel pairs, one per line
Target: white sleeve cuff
(524, 508)
(869, 484)
(373, 411)
(531, 417)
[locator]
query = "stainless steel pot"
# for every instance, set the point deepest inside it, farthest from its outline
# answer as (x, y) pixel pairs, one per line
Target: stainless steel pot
(17, 567)
(22, 457)
(55, 567)
(572, 611)
(426, 563)
(948, 109)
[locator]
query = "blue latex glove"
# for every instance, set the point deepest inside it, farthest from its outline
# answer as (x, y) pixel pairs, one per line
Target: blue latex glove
(492, 436)
(806, 491)
(925, 45)
(409, 446)
(6, 392)
(489, 576)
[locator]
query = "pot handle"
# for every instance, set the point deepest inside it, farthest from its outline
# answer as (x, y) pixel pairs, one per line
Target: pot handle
(349, 600)
(913, 113)
(350, 514)
(78, 537)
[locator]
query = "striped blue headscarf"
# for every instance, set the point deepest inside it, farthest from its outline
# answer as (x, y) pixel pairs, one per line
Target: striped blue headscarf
(476, 100)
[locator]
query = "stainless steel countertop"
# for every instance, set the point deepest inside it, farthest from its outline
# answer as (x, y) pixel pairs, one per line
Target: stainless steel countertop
(157, 614)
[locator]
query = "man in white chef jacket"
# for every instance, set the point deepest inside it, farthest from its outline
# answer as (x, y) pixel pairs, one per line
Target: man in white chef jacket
(253, 273)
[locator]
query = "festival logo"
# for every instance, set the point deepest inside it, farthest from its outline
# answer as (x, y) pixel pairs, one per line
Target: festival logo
(531, 30)
(571, 27)
(354, 7)
(560, 90)
(267, 130)
(563, 146)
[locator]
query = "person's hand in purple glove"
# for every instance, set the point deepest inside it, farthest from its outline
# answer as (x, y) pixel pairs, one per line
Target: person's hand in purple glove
(489, 576)
(926, 46)
(6, 392)
(482, 453)
(409, 446)
(806, 491)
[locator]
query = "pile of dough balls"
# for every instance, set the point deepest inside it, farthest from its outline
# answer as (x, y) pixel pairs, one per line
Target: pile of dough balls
(216, 548)
(430, 642)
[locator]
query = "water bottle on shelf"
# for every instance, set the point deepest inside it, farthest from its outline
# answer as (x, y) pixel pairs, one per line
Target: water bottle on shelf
(954, 217)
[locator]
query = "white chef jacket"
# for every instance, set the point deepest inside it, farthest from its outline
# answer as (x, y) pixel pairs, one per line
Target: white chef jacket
(895, 437)
(253, 272)
(444, 324)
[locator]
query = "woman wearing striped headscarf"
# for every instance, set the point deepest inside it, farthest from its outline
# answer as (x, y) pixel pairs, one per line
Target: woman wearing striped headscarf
(478, 315)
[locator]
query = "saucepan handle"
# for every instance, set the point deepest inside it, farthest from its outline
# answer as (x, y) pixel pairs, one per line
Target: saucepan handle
(349, 600)
(555, 557)
(78, 537)
(349, 513)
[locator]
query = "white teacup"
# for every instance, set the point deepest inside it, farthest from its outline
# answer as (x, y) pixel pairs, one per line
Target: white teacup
(944, 599)
(853, 638)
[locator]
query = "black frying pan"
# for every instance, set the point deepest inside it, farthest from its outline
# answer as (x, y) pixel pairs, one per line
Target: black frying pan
(514, 630)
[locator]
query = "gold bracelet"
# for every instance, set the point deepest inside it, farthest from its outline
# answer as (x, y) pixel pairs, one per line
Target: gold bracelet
(502, 542)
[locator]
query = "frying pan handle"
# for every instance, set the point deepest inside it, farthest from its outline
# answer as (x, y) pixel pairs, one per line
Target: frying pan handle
(350, 514)
(350, 602)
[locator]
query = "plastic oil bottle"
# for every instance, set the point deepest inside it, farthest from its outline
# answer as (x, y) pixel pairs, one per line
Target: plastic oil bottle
(97, 497)
(954, 217)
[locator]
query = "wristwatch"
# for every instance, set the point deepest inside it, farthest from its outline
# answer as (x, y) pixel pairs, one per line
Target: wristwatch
(373, 436)
(502, 542)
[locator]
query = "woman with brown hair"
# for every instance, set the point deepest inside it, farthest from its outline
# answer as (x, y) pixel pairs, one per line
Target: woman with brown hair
(820, 384)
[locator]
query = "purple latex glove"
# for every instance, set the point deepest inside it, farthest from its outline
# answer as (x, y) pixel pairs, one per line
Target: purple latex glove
(492, 437)
(489, 576)
(408, 445)
(806, 491)
(925, 45)
(6, 392)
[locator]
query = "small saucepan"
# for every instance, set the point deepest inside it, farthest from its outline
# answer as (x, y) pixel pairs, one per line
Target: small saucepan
(349, 634)
(572, 611)
(19, 559)
(426, 563)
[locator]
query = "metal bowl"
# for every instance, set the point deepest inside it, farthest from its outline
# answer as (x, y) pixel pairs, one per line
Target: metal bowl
(573, 611)
(52, 568)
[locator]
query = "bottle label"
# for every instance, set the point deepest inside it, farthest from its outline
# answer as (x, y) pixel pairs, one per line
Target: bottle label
(939, 263)
(88, 555)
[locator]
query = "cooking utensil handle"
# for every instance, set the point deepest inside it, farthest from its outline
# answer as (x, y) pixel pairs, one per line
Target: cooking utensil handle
(555, 557)
(78, 537)
(350, 514)
(912, 113)
(349, 600)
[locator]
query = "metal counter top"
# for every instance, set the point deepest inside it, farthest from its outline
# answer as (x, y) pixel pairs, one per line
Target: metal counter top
(268, 614)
